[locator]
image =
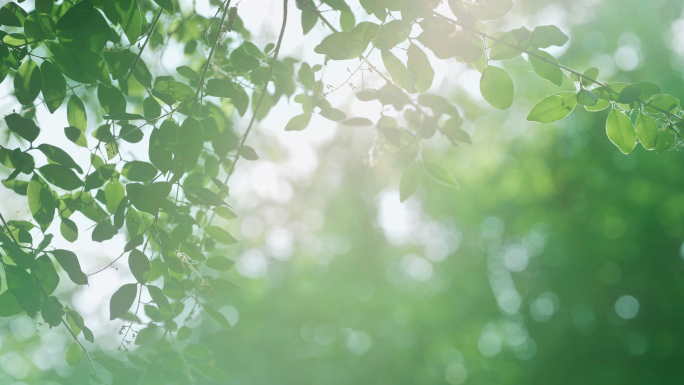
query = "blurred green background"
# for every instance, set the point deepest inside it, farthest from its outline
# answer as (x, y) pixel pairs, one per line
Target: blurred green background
(558, 261)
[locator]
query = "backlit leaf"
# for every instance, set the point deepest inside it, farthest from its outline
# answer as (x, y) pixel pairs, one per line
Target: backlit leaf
(647, 131)
(496, 87)
(553, 108)
(419, 66)
(621, 131)
(73, 354)
(410, 180)
(220, 235)
(547, 68)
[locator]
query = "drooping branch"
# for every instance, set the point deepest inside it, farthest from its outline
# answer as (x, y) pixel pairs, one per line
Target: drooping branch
(47, 298)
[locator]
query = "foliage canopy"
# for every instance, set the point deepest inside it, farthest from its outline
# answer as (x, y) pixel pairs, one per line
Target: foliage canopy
(162, 147)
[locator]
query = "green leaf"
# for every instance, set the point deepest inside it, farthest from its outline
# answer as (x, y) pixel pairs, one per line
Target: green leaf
(205, 196)
(587, 98)
(440, 175)
(149, 198)
(76, 113)
(400, 74)
(44, 6)
(53, 86)
(179, 91)
(8, 304)
(52, 311)
(24, 288)
(133, 243)
(15, 40)
(124, 116)
(392, 34)
(12, 15)
(553, 108)
(217, 315)
(547, 68)
(663, 103)
(183, 333)
(148, 334)
(341, 46)
(410, 180)
(41, 201)
(160, 299)
(114, 193)
(602, 104)
(621, 131)
(219, 263)
(75, 319)
(139, 265)
(188, 73)
(138, 171)
(46, 274)
(496, 87)
(619, 92)
(299, 122)
(151, 108)
(131, 133)
(122, 300)
(240, 100)
(61, 176)
(220, 235)
(647, 131)
(339, 5)
(94, 66)
(18, 186)
(130, 18)
(333, 114)
(59, 156)
(248, 153)
(547, 35)
(191, 141)
(347, 21)
(163, 142)
(648, 89)
(666, 138)
(357, 122)
(592, 74)
(104, 231)
(25, 128)
(76, 136)
(69, 230)
(111, 99)
(39, 27)
(167, 5)
(511, 45)
(309, 20)
(73, 354)
(452, 129)
(481, 10)
(211, 373)
(69, 262)
(419, 66)
(224, 212)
